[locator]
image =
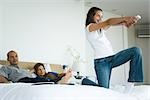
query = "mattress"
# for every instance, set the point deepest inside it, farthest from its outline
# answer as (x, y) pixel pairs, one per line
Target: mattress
(142, 92)
(29, 91)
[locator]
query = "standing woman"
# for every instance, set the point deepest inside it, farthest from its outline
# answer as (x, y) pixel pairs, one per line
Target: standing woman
(104, 58)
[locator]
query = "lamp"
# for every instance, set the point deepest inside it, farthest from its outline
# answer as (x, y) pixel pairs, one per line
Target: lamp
(78, 65)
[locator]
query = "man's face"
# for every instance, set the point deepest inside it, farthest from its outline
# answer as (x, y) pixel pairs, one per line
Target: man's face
(13, 58)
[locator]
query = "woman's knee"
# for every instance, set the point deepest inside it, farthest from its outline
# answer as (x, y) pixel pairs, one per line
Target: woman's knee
(137, 50)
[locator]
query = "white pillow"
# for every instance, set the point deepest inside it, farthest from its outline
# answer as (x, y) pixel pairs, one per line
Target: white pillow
(1, 65)
(47, 67)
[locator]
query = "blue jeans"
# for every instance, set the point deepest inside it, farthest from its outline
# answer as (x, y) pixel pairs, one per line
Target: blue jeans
(86, 81)
(103, 66)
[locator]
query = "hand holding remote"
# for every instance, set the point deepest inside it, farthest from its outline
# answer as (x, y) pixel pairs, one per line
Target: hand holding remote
(132, 20)
(138, 17)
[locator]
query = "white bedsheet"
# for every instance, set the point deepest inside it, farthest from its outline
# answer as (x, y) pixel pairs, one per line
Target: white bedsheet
(26, 91)
(142, 92)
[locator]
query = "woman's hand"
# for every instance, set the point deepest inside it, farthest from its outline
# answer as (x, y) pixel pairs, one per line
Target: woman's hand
(130, 21)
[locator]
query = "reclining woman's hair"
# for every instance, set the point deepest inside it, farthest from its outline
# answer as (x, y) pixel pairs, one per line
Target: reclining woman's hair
(37, 65)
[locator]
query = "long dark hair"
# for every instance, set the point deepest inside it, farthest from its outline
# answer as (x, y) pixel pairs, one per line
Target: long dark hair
(92, 11)
(37, 65)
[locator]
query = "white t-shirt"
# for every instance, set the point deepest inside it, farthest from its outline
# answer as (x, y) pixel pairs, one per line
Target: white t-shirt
(99, 42)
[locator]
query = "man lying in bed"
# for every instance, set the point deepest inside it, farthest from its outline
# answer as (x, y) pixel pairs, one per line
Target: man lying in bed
(14, 73)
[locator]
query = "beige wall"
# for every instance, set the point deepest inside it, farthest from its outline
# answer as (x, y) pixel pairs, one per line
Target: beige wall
(41, 30)
(148, 72)
(1, 7)
(144, 44)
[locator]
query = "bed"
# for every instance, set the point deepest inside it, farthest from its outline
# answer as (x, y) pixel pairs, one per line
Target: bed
(142, 92)
(24, 91)
(48, 91)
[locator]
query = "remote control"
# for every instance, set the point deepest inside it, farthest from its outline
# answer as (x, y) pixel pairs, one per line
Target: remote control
(138, 17)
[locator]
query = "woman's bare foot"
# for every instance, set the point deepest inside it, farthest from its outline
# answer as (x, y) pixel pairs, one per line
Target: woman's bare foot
(66, 78)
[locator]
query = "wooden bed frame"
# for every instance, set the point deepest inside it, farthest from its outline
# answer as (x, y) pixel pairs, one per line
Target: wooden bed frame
(29, 65)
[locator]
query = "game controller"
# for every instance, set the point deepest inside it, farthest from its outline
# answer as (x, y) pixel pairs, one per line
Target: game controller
(138, 17)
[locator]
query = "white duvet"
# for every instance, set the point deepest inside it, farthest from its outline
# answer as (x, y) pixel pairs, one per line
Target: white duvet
(142, 92)
(26, 91)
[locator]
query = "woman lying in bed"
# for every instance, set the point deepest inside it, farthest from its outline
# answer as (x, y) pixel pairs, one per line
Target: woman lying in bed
(62, 78)
(57, 78)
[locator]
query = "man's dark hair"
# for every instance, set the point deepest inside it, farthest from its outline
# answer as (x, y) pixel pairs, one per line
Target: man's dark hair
(9, 53)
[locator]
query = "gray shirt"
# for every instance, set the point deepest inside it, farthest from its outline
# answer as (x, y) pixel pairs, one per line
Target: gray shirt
(14, 73)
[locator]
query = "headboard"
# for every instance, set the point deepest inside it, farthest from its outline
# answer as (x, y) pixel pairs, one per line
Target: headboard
(29, 65)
